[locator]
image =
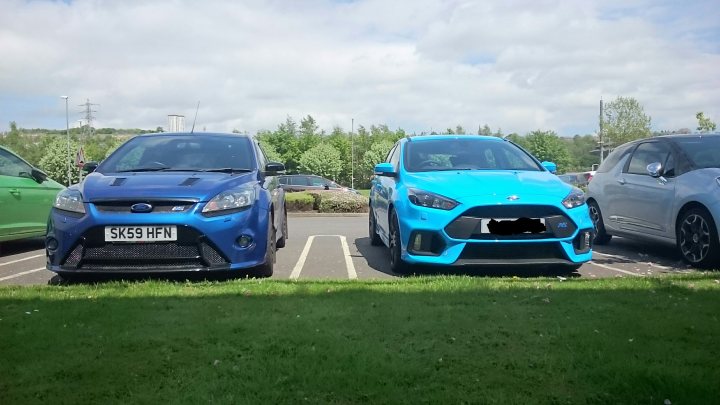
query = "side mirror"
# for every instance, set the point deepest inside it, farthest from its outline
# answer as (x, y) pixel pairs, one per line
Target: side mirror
(326, 186)
(550, 166)
(274, 167)
(655, 169)
(38, 175)
(90, 167)
(385, 169)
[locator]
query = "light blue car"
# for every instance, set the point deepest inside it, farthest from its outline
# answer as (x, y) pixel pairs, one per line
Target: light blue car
(475, 200)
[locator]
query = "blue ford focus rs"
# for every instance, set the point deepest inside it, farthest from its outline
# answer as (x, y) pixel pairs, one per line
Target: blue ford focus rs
(171, 203)
(475, 200)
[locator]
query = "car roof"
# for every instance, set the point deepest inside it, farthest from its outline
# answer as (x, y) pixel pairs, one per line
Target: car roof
(422, 138)
(195, 134)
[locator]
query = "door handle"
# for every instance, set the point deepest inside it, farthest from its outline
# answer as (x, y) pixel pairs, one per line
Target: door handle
(621, 180)
(14, 191)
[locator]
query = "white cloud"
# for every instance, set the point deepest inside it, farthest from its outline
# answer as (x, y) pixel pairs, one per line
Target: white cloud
(518, 65)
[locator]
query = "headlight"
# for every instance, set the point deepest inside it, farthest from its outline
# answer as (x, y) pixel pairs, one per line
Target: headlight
(70, 200)
(576, 198)
(231, 200)
(430, 200)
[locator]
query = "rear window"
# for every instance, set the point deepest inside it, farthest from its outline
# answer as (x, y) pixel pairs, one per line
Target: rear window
(614, 157)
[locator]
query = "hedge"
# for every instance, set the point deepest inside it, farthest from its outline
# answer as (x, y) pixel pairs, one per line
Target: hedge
(299, 201)
(326, 201)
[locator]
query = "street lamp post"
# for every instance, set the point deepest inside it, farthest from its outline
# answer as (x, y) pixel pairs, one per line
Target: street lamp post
(67, 126)
(352, 154)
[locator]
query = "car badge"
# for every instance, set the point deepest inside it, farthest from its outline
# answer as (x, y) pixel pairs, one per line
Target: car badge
(513, 197)
(141, 207)
(178, 208)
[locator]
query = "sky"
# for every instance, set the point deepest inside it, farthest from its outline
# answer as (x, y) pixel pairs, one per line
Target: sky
(419, 65)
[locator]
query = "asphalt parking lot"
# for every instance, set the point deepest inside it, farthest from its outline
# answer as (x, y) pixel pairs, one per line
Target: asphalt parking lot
(337, 247)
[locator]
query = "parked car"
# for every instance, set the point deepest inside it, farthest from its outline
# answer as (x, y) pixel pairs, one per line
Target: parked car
(574, 179)
(474, 200)
(304, 182)
(580, 179)
(664, 189)
(172, 202)
(26, 197)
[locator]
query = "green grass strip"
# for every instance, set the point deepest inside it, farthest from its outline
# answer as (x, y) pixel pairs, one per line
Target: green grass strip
(409, 341)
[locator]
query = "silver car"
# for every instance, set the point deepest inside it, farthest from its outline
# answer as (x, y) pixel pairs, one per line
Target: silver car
(664, 189)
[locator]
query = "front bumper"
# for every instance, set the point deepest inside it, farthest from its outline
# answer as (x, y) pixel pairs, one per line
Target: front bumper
(75, 243)
(454, 237)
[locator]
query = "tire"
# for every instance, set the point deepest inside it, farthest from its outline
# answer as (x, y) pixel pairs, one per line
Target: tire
(281, 242)
(397, 265)
(266, 269)
(697, 239)
(601, 236)
(374, 237)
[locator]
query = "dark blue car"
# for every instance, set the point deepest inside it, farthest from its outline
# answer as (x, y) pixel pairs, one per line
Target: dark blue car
(172, 203)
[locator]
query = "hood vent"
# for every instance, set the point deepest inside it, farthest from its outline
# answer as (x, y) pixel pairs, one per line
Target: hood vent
(190, 181)
(119, 181)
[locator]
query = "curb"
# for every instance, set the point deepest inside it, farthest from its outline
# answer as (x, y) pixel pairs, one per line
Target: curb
(326, 214)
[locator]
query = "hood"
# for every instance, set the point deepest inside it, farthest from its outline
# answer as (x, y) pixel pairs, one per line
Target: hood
(190, 185)
(457, 184)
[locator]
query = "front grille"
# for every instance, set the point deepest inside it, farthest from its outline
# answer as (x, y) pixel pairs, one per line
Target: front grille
(159, 206)
(513, 211)
(190, 251)
(467, 226)
(512, 253)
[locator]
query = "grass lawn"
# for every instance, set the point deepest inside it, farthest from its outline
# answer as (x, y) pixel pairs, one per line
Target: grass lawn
(439, 340)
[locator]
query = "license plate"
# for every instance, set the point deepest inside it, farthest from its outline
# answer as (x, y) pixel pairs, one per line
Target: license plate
(160, 233)
(512, 226)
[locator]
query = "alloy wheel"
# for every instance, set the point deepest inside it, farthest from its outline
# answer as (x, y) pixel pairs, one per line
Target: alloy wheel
(694, 238)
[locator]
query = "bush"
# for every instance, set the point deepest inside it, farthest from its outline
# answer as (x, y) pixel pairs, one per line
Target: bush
(333, 201)
(299, 201)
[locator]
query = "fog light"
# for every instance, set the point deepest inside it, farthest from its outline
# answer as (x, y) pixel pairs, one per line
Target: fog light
(244, 241)
(417, 244)
(51, 244)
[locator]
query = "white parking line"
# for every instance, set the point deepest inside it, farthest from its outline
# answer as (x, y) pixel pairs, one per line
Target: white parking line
(604, 266)
(660, 266)
(20, 260)
(20, 274)
(352, 274)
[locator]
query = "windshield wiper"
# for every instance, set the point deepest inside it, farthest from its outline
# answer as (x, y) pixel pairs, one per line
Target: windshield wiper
(227, 170)
(146, 169)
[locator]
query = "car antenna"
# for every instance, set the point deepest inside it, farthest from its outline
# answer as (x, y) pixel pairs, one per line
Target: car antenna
(195, 119)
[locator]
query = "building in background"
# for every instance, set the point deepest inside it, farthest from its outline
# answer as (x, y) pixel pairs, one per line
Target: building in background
(176, 123)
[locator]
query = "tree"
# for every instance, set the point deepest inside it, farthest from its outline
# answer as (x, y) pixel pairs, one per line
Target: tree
(624, 120)
(323, 160)
(376, 154)
(546, 145)
(485, 130)
(270, 153)
(704, 123)
(55, 161)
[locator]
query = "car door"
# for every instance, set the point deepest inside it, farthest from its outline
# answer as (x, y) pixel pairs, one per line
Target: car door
(382, 192)
(645, 203)
(25, 203)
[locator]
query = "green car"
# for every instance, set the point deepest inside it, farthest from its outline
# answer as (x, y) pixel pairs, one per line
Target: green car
(26, 196)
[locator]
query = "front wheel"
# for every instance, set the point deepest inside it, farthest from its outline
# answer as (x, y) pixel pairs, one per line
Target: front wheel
(374, 237)
(697, 239)
(281, 242)
(601, 237)
(397, 264)
(266, 269)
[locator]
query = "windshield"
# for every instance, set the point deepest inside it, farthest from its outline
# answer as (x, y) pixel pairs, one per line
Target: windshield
(703, 151)
(466, 154)
(181, 153)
